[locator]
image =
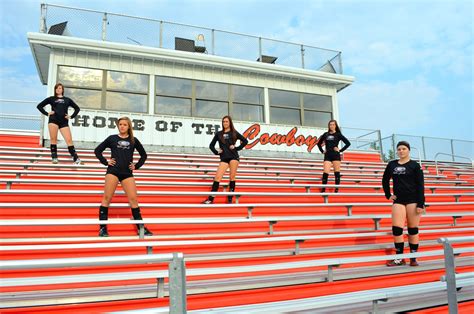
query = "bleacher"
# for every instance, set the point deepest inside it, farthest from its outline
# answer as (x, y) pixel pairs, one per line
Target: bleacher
(281, 247)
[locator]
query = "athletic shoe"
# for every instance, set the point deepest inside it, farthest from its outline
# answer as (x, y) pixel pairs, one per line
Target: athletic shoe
(55, 161)
(78, 162)
(396, 262)
(103, 232)
(413, 263)
(207, 201)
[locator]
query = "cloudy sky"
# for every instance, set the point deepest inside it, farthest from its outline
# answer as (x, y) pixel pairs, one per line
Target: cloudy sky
(412, 59)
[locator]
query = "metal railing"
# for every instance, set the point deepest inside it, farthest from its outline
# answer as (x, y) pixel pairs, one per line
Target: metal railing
(438, 154)
(450, 266)
(176, 273)
(419, 155)
(113, 27)
(14, 117)
(322, 303)
(428, 146)
(364, 139)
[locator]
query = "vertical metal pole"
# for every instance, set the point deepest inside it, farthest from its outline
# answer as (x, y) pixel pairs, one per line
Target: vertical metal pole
(177, 284)
(302, 56)
(43, 18)
(161, 34)
(452, 150)
(260, 48)
(393, 145)
(379, 134)
(104, 26)
(450, 277)
(213, 42)
(375, 306)
(423, 146)
(339, 57)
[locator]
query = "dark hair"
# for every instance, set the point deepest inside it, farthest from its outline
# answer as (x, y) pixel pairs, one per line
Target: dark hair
(232, 129)
(56, 86)
(130, 129)
(404, 143)
(337, 126)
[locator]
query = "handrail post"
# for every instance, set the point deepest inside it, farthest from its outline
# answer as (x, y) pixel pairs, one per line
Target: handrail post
(339, 57)
(177, 284)
(161, 34)
(423, 146)
(379, 134)
(452, 150)
(104, 26)
(43, 18)
(419, 156)
(302, 56)
(440, 153)
(393, 144)
(449, 265)
(213, 36)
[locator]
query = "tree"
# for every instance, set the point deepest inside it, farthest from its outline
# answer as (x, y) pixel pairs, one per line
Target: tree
(391, 155)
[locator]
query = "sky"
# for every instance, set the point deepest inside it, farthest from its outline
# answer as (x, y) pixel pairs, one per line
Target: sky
(411, 59)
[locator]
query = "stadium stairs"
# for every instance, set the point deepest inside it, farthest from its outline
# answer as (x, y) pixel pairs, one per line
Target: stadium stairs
(281, 217)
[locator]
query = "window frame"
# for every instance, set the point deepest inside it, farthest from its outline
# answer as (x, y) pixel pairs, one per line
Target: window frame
(104, 89)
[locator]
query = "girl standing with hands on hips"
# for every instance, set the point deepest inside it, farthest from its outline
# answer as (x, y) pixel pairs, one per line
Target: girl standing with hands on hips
(120, 169)
(408, 200)
(59, 120)
(332, 154)
(228, 153)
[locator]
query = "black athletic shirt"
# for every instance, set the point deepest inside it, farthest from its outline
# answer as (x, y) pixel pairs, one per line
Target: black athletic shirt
(408, 182)
(225, 141)
(60, 106)
(122, 151)
(332, 140)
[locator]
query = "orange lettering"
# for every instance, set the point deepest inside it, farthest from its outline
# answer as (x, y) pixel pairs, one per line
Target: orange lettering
(277, 139)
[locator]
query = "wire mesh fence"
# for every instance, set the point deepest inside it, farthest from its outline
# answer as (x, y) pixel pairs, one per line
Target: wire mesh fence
(19, 115)
(428, 147)
(363, 139)
(95, 25)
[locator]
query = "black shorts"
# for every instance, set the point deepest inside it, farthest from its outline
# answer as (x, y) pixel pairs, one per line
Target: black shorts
(228, 160)
(121, 175)
(405, 202)
(332, 156)
(60, 124)
(406, 199)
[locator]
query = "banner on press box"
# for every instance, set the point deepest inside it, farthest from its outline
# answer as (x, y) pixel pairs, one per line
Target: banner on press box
(95, 126)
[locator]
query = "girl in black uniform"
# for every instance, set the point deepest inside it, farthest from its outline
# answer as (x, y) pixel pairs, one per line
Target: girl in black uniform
(59, 120)
(332, 155)
(408, 200)
(228, 153)
(120, 167)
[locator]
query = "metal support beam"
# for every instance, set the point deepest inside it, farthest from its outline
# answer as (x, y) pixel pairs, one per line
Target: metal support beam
(177, 284)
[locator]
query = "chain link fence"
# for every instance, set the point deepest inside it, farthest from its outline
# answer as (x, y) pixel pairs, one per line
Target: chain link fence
(363, 139)
(121, 28)
(19, 115)
(427, 147)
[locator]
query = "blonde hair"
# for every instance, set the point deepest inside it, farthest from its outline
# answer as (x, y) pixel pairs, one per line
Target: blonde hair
(130, 129)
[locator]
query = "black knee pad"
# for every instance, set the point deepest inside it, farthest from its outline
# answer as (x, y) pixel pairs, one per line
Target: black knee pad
(413, 231)
(397, 231)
